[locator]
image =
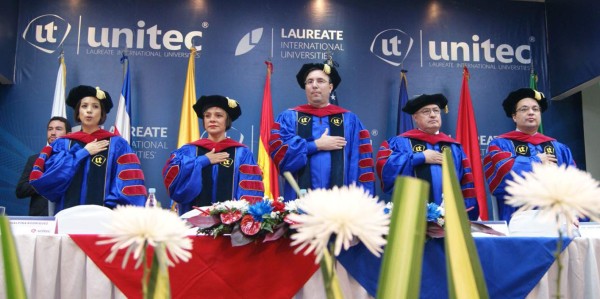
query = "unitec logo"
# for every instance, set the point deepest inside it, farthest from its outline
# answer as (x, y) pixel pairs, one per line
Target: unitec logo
(392, 46)
(47, 32)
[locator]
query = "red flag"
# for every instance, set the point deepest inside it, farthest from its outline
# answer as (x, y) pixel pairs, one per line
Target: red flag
(466, 134)
(270, 176)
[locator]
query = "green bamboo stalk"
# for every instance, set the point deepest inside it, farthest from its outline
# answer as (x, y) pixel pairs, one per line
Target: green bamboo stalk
(15, 285)
(463, 268)
(159, 286)
(400, 275)
(330, 277)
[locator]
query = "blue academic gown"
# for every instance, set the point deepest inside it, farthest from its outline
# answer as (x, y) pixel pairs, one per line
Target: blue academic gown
(293, 153)
(502, 158)
(64, 170)
(184, 180)
(401, 156)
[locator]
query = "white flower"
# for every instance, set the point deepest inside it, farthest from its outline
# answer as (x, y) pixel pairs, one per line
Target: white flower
(291, 206)
(135, 227)
(347, 212)
(241, 205)
(560, 193)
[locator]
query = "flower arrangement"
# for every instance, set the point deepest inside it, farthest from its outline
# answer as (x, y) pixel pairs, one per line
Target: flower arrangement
(435, 220)
(435, 213)
(245, 221)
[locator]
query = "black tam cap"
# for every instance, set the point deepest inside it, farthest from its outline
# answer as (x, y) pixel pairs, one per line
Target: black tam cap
(82, 91)
(328, 69)
(423, 100)
(231, 106)
(510, 103)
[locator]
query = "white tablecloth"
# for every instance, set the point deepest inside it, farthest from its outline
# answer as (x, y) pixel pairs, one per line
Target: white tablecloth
(54, 267)
(580, 277)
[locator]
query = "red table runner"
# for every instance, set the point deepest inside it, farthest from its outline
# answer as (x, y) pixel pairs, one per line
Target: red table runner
(216, 269)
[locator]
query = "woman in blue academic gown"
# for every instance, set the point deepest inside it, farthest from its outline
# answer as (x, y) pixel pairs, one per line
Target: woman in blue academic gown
(92, 166)
(216, 168)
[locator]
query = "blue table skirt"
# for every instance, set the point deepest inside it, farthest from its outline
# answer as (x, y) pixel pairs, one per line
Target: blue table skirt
(512, 266)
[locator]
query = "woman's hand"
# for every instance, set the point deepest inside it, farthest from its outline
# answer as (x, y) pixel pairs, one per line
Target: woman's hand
(216, 158)
(96, 146)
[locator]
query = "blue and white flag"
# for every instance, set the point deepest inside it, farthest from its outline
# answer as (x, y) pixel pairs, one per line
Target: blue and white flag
(123, 119)
(333, 98)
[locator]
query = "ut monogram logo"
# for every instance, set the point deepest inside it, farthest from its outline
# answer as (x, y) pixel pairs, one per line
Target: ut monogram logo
(417, 148)
(227, 163)
(392, 46)
(522, 150)
(47, 32)
(98, 160)
(304, 120)
(336, 121)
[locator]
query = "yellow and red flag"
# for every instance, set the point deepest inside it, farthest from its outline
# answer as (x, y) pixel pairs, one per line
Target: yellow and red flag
(270, 176)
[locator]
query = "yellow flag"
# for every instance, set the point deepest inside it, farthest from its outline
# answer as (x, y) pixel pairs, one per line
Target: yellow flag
(465, 277)
(188, 124)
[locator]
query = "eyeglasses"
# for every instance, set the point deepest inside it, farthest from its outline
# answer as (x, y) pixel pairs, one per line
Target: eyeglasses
(428, 111)
(524, 109)
(318, 81)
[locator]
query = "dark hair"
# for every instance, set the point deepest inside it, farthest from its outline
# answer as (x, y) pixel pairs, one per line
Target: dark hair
(63, 120)
(102, 112)
(228, 122)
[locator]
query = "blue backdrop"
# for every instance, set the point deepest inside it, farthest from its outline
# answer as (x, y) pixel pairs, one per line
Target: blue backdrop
(498, 41)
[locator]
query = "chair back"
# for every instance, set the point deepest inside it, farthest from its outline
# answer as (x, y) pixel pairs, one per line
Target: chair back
(83, 219)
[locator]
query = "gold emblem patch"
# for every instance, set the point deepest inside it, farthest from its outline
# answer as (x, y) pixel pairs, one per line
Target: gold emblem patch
(522, 150)
(304, 120)
(336, 121)
(227, 163)
(417, 148)
(98, 160)
(549, 150)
